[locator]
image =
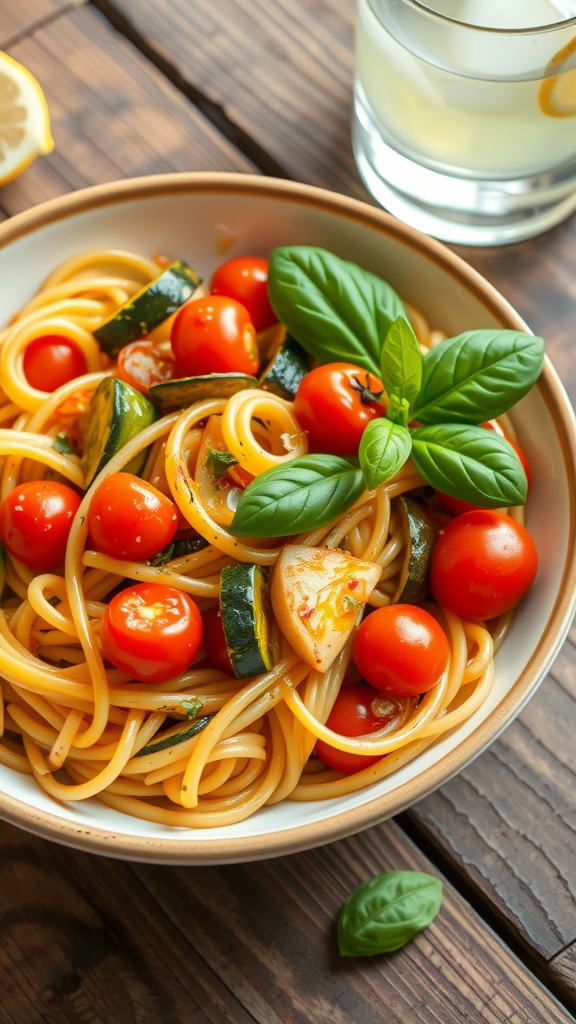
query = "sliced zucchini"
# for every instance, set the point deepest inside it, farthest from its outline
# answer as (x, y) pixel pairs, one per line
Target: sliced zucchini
(284, 372)
(184, 391)
(317, 595)
(419, 535)
(245, 611)
(175, 734)
(116, 414)
(148, 307)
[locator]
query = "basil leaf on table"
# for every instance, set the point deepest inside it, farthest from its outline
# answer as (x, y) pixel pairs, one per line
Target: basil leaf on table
(336, 310)
(401, 369)
(384, 448)
(469, 462)
(477, 375)
(382, 915)
(297, 496)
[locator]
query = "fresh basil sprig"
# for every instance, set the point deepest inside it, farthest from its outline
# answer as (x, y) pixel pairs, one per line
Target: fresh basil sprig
(434, 402)
(382, 915)
(335, 309)
(298, 496)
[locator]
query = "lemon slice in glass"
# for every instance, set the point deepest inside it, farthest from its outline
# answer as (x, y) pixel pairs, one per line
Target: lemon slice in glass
(24, 119)
(557, 95)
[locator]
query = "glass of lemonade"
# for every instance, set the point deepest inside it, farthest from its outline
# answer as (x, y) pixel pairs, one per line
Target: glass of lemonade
(464, 121)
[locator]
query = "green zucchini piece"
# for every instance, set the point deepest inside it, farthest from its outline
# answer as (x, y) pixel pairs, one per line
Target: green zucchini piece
(420, 536)
(284, 372)
(116, 414)
(245, 611)
(182, 392)
(148, 307)
(175, 734)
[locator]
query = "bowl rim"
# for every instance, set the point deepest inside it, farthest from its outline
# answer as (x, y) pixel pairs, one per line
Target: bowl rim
(187, 850)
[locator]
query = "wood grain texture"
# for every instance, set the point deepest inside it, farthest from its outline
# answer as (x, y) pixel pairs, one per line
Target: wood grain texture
(113, 114)
(92, 939)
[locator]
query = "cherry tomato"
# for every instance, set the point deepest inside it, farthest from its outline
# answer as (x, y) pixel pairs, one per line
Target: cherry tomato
(358, 710)
(401, 649)
(52, 360)
(143, 362)
(129, 518)
(456, 505)
(215, 643)
(214, 335)
(334, 404)
(151, 632)
(35, 521)
(482, 565)
(245, 278)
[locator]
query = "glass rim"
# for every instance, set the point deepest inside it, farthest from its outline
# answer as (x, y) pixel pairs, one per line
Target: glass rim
(529, 31)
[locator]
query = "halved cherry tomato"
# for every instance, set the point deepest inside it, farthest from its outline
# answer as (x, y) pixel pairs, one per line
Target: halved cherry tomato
(52, 360)
(151, 632)
(215, 642)
(334, 404)
(35, 521)
(144, 362)
(245, 278)
(214, 334)
(456, 505)
(401, 649)
(129, 518)
(483, 564)
(358, 710)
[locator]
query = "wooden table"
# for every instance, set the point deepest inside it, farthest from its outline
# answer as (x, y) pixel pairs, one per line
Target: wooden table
(258, 86)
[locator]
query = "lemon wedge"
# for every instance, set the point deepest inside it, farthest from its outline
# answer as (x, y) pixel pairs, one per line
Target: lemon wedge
(557, 95)
(24, 119)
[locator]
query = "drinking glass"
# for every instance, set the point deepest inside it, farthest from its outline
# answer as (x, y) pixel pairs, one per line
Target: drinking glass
(464, 121)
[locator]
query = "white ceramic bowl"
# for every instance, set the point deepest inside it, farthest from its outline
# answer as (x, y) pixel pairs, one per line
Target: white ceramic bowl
(199, 217)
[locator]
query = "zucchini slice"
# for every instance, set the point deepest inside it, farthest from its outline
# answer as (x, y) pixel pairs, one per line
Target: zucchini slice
(116, 414)
(245, 611)
(182, 392)
(419, 536)
(148, 307)
(284, 372)
(175, 734)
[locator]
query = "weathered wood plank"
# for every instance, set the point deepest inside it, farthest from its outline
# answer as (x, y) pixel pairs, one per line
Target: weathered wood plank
(113, 114)
(26, 16)
(95, 939)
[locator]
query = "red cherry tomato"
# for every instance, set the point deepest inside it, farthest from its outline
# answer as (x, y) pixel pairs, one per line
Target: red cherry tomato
(215, 642)
(52, 360)
(151, 632)
(401, 649)
(214, 335)
(245, 278)
(456, 505)
(358, 710)
(129, 518)
(334, 404)
(35, 521)
(143, 362)
(482, 565)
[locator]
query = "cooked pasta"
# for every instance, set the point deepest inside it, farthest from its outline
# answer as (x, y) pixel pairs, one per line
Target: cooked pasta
(85, 728)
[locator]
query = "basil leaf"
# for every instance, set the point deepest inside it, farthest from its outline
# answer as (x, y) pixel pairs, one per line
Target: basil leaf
(401, 369)
(477, 375)
(300, 495)
(336, 310)
(384, 448)
(382, 915)
(471, 463)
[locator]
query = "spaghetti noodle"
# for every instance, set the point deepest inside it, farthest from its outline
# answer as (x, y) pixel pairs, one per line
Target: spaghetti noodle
(82, 727)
